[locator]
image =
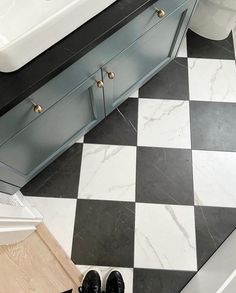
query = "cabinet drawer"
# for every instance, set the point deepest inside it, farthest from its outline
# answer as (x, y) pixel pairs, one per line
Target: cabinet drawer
(23, 114)
(142, 58)
(127, 35)
(46, 136)
(49, 94)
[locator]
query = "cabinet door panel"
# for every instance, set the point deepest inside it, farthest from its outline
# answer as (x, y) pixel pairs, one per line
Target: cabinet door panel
(144, 56)
(53, 131)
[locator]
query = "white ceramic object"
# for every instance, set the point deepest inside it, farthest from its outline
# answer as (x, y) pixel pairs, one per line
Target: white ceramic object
(214, 19)
(29, 27)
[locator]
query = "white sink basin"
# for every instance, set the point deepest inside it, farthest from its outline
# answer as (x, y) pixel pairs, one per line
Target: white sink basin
(29, 27)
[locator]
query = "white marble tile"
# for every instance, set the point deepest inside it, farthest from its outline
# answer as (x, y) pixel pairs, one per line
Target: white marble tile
(108, 172)
(81, 140)
(214, 175)
(59, 216)
(183, 49)
(164, 123)
(212, 80)
(127, 274)
(134, 94)
(165, 237)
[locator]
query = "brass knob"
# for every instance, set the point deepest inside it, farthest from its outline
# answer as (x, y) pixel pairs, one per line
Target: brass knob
(160, 13)
(111, 75)
(100, 84)
(38, 109)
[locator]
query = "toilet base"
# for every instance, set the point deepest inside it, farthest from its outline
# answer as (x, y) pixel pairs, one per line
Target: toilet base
(212, 21)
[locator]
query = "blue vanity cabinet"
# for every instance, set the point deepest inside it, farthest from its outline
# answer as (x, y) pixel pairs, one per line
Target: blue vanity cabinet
(78, 98)
(8, 188)
(145, 57)
(52, 132)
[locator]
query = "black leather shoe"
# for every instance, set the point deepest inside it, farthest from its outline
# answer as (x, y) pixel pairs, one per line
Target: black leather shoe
(91, 283)
(115, 283)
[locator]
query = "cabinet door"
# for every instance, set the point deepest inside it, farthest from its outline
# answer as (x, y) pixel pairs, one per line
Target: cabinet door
(34, 147)
(7, 188)
(143, 58)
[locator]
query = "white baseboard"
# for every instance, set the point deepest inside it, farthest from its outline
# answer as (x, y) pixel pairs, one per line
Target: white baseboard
(15, 235)
(10, 222)
(17, 218)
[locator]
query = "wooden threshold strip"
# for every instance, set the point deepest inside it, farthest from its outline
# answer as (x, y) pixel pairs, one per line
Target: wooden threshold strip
(38, 264)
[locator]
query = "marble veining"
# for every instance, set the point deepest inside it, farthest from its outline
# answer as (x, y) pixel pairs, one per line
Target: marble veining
(200, 47)
(108, 172)
(155, 235)
(59, 215)
(164, 86)
(164, 176)
(212, 237)
(107, 132)
(214, 176)
(163, 123)
(217, 82)
(127, 120)
(213, 226)
(165, 237)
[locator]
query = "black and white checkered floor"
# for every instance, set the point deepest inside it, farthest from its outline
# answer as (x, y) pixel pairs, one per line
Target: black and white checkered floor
(151, 189)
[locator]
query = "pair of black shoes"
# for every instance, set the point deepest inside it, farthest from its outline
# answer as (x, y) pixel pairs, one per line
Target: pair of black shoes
(92, 283)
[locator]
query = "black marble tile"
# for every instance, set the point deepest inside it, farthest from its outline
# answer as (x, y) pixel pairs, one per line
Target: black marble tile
(213, 226)
(104, 233)
(119, 128)
(160, 281)
(213, 126)
(170, 83)
(60, 179)
(199, 47)
(164, 176)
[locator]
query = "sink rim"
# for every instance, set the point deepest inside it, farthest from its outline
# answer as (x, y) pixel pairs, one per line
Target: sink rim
(26, 46)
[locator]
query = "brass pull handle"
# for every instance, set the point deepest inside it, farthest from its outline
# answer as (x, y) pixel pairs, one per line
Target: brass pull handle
(160, 13)
(38, 109)
(100, 84)
(111, 75)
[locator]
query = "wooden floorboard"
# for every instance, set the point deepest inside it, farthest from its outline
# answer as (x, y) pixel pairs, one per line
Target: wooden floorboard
(38, 264)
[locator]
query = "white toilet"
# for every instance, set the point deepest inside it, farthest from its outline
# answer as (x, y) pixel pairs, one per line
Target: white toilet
(214, 19)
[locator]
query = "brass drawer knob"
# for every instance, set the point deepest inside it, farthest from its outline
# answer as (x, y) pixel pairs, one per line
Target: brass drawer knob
(160, 13)
(100, 84)
(111, 75)
(38, 109)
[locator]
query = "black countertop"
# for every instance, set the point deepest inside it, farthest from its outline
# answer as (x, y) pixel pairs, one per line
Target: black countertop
(16, 86)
